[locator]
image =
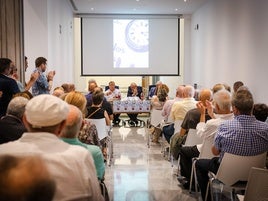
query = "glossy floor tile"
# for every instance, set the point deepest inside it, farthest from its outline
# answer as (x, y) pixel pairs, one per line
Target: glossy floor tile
(139, 173)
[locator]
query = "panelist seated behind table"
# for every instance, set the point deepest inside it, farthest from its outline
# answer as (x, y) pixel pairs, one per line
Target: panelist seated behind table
(113, 93)
(134, 91)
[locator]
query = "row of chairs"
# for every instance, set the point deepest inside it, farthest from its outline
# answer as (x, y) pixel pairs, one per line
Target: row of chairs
(233, 174)
(233, 168)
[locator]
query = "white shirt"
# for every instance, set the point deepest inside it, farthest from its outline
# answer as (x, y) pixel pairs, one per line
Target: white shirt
(208, 130)
(110, 95)
(71, 166)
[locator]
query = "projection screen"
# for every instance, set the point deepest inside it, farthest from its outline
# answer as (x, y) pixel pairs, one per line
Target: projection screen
(130, 46)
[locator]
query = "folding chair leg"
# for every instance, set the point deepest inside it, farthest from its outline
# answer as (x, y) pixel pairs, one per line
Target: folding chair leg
(109, 143)
(207, 191)
(195, 180)
(191, 178)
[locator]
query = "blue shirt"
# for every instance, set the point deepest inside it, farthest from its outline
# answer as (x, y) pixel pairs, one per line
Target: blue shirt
(41, 85)
(95, 152)
(244, 135)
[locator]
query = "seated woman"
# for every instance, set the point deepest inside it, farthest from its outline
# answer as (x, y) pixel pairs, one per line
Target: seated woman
(158, 100)
(96, 111)
(157, 103)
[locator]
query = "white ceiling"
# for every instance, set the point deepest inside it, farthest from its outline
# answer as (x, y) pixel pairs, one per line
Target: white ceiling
(184, 7)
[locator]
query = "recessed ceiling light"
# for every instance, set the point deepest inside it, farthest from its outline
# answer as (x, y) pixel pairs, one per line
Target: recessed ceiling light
(92, 9)
(176, 9)
(137, 0)
(185, 0)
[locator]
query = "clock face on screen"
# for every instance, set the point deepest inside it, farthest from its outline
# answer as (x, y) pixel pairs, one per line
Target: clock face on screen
(137, 35)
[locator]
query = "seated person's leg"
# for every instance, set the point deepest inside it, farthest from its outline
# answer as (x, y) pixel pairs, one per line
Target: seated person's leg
(133, 117)
(186, 155)
(116, 119)
(168, 131)
(203, 166)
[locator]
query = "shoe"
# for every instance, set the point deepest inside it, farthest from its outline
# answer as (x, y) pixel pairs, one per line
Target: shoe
(185, 183)
(116, 125)
(182, 179)
(131, 123)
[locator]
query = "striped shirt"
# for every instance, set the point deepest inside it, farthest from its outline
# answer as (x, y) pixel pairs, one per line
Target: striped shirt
(244, 135)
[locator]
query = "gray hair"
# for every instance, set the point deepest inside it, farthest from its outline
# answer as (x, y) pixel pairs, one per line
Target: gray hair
(189, 91)
(223, 99)
(16, 106)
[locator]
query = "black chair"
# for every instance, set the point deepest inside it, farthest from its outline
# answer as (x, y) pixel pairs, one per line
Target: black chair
(149, 89)
(107, 87)
(151, 86)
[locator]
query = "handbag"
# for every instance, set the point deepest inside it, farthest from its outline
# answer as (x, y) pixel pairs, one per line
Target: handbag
(104, 190)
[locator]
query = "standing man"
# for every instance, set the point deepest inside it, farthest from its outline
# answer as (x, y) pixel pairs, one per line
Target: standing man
(44, 82)
(8, 86)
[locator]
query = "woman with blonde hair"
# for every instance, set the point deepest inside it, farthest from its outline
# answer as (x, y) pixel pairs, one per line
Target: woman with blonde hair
(160, 98)
(88, 133)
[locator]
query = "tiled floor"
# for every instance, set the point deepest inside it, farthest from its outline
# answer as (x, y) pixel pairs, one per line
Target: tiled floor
(139, 173)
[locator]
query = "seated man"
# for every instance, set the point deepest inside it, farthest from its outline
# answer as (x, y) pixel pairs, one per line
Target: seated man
(179, 110)
(25, 178)
(243, 136)
(11, 125)
(111, 94)
(70, 132)
(205, 129)
(168, 104)
(134, 91)
(44, 119)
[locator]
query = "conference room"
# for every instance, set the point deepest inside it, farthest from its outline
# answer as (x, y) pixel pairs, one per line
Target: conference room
(184, 42)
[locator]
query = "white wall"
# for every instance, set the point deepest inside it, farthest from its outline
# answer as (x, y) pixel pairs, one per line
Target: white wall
(231, 44)
(51, 31)
(48, 32)
(35, 31)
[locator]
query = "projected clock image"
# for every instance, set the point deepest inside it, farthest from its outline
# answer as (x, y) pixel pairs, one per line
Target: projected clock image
(137, 35)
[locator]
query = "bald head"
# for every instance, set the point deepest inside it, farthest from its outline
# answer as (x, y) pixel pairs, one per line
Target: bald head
(73, 123)
(188, 91)
(179, 91)
(158, 83)
(18, 183)
(204, 95)
(58, 92)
